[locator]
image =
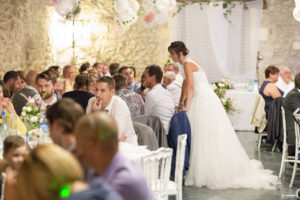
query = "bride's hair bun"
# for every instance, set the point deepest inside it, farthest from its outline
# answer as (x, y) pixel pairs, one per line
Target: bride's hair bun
(177, 47)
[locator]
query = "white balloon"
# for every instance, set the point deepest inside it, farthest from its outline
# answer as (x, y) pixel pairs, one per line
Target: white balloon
(148, 5)
(66, 7)
(161, 17)
(134, 5)
(297, 3)
(296, 13)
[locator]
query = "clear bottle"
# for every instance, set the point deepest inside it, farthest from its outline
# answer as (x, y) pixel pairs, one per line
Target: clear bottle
(250, 85)
(255, 84)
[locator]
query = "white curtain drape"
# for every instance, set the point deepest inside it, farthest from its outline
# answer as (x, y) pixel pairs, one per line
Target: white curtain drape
(223, 48)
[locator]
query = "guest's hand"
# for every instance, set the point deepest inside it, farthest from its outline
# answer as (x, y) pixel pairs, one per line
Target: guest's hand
(97, 105)
(6, 104)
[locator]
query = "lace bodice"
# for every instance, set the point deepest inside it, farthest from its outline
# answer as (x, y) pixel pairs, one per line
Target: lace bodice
(199, 76)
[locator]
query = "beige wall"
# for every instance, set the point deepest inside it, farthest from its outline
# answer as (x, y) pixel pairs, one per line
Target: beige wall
(279, 31)
(25, 38)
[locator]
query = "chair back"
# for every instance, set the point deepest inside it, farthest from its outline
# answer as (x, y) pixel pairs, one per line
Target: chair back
(297, 124)
(180, 155)
(283, 124)
(157, 168)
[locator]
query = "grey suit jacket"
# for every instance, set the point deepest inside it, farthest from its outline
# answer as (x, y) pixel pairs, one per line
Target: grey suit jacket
(19, 101)
(290, 104)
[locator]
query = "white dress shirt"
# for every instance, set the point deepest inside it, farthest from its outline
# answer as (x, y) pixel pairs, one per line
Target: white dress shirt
(159, 103)
(284, 87)
(178, 80)
(118, 109)
(175, 91)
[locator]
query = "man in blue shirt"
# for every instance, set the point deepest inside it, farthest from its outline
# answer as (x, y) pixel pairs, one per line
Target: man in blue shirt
(97, 146)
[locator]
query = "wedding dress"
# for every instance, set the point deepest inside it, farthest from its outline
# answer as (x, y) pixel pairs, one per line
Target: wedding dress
(218, 160)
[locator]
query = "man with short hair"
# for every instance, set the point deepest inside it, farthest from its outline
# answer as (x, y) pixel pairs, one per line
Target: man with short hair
(290, 103)
(158, 101)
(62, 118)
(11, 82)
(46, 87)
(99, 68)
(105, 100)
(129, 74)
(284, 82)
(134, 101)
(97, 146)
(114, 68)
(172, 86)
(30, 90)
(173, 67)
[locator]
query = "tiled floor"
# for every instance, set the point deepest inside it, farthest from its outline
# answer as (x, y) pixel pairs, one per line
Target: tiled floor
(270, 161)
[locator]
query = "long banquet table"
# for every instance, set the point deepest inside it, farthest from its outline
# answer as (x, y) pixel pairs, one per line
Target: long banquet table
(244, 103)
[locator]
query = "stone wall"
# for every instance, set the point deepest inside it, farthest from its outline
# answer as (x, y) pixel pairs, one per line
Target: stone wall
(28, 28)
(279, 33)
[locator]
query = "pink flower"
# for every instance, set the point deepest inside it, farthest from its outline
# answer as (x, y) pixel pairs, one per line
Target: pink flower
(230, 101)
(149, 17)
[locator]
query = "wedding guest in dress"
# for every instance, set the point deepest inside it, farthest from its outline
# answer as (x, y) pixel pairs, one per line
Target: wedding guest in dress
(62, 118)
(84, 68)
(53, 174)
(172, 86)
(268, 89)
(97, 145)
(173, 67)
(290, 103)
(99, 68)
(158, 101)
(14, 152)
(81, 88)
(114, 68)
(134, 101)
(23, 79)
(284, 82)
(68, 78)
(128, 73)
(30, 90)
(105, 100)
(46, 86)
(11, 83)
(8, 107)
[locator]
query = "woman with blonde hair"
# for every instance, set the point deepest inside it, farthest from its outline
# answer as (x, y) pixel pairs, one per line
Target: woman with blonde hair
(48, 172)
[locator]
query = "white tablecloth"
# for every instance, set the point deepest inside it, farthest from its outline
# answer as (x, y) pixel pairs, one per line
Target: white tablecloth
(244, 102)
(133, 153)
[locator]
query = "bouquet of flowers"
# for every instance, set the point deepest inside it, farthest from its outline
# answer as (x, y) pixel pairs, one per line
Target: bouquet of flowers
(32, 113)
(220, 90)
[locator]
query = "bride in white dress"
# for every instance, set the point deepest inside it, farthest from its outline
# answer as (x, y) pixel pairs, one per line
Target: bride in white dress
(217, 160)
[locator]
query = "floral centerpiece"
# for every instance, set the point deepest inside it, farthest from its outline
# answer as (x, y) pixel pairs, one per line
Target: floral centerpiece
(220, 90)
(32, 113)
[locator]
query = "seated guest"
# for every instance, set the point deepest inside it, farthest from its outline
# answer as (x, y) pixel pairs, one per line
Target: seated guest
(173, 67)
(106, 70)
(53, 174)
(23, 79)
(56, 70)
(268, 89)
(284, 82)
(84, 68)
(68, 78)
(105, 100)
(11, 82)
(114, 68)
(135, 78)
(46, 86)
(8, 107)
(62, 118)
(80, 93)
(128, 73)
(14, 152)
(134, 101)
(97, 145)
(99, 68)
(173, 87)
(158, 101)
(290, 103)
(93, 77)
(30, 90)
